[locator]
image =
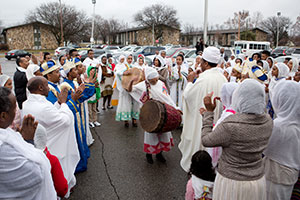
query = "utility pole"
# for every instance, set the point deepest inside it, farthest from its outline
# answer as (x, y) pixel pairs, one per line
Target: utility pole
(239, 29)
(61, 25)
(93, 23)
(277, 38)
(153, 34)
(205, 22)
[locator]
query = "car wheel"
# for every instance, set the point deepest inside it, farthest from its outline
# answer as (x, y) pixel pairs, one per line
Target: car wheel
(8, 58)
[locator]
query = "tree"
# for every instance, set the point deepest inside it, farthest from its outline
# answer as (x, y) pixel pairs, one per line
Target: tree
(233, 23)
(295, 32)
(75, 23)
(256, 19)
(248, 35)
(270, 25)
(157, 15)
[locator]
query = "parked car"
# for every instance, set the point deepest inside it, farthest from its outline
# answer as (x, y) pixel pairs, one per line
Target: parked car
(296, 53)
(16, 54)
(84, 53)
(74, 46)
(281, 51)
(147, 51)
(113, 49)
(61, 51)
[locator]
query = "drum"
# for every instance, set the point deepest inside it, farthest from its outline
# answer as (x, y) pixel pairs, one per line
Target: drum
(158, 117)
(134, 72)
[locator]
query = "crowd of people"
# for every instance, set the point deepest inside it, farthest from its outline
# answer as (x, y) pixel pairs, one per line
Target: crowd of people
(240, 121)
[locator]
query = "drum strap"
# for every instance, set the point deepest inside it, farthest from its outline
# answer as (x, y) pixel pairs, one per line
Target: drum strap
(148, 89)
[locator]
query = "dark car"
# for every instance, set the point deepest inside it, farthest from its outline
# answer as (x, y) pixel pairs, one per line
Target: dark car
(97, 52)
(147, 51)
(16, 54)
(281, 51)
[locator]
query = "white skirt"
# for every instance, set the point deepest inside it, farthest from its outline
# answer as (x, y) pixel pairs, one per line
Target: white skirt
(127, 108)
(155, 143)
(89, 137)
(228, 189)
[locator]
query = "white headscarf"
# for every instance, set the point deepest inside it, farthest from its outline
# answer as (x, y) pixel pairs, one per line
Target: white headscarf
(295, 67)
(120, 58)
(150, 73)
(283, 72)
(265, 66)
(3, 79)
(227, 92)
(31, 69)
(249, 97)
(284, 143)
(40, 137)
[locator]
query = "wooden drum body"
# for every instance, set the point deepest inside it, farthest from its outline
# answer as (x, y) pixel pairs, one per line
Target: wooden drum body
(158, 117)
(135, 73)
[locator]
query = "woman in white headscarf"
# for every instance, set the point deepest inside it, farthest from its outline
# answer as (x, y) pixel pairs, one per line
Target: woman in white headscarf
(197, 62)
(226, 99)
(280, 72)
(243, 137)
(282, 160)
(140, 64)
(32, 71)
(154, 143)
(128, 108)
(293, 65)
(5, 81)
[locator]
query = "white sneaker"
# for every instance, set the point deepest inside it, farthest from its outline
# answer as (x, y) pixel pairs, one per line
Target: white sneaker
(97, 123)
(92, 125)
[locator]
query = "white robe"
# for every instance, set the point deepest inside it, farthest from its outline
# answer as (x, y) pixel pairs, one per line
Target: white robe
(177, 87)
(210, 80)
(59, 124)
(25, 172)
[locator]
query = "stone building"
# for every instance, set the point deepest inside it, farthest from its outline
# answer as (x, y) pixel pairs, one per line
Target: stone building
(222, 37)
(33, 35)
(144, 36)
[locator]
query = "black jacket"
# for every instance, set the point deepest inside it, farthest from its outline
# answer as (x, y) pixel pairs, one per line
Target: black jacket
(20, 83)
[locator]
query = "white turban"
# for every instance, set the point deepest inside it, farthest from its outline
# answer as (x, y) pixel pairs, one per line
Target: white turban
(40, 137)
(211, 54)
(31, 69)
(3, 79)
(151, 73)
(249, 97)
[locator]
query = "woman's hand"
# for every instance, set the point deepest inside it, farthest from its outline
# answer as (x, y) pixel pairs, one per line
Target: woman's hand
(209, 105)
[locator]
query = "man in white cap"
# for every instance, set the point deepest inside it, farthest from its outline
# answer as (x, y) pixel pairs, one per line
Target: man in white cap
(210, 80)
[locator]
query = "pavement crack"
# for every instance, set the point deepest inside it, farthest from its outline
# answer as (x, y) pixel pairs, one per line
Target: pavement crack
(105, 166)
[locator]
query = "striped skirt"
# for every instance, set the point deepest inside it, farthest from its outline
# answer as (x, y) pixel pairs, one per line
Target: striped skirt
(296, 191)
(228, 189)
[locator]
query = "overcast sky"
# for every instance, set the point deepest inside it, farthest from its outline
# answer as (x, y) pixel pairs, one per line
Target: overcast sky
(13, 12)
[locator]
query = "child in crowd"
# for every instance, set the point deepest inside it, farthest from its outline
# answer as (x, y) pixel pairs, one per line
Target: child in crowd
(202, 177)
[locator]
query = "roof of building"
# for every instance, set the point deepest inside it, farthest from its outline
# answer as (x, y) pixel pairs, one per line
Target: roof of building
(145, 27)
(222, 31)
(26, 24)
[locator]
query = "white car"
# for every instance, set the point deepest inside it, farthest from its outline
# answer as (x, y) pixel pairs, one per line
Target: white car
(113, 49)
(296, 53)
(61, 51)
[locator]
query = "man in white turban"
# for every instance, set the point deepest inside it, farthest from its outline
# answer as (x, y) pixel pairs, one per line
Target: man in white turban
(210, 80)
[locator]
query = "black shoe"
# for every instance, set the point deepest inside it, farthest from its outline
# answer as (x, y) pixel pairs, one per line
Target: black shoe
(149, 158)
(160, 157)
(134, 124)
(110, 107)
(103, 108)
(126, 124)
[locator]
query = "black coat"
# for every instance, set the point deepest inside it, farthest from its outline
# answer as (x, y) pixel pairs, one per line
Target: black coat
(20, 83)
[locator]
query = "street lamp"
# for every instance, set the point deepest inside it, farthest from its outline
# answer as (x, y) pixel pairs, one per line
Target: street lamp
(61, 24)
(93, 23)
(278, 15)
(205, 21)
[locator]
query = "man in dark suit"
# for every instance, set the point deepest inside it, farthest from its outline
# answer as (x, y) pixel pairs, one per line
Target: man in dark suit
(20, 80)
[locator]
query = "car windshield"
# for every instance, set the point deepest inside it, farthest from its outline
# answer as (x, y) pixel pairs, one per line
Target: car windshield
(297, 51)
(170, 52)
(136, 49)
(13, 51)
(189, 54)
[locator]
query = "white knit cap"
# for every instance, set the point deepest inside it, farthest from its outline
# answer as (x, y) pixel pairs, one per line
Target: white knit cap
(150, 73)
(211, 54)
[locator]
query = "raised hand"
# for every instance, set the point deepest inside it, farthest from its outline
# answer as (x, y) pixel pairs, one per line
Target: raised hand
(209, 105)
(63, 96)
(28, 128)
(191, 76)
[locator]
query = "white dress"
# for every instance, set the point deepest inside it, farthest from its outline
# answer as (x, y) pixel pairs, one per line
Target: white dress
(155, 143)
(177, 85)
(127, 108)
